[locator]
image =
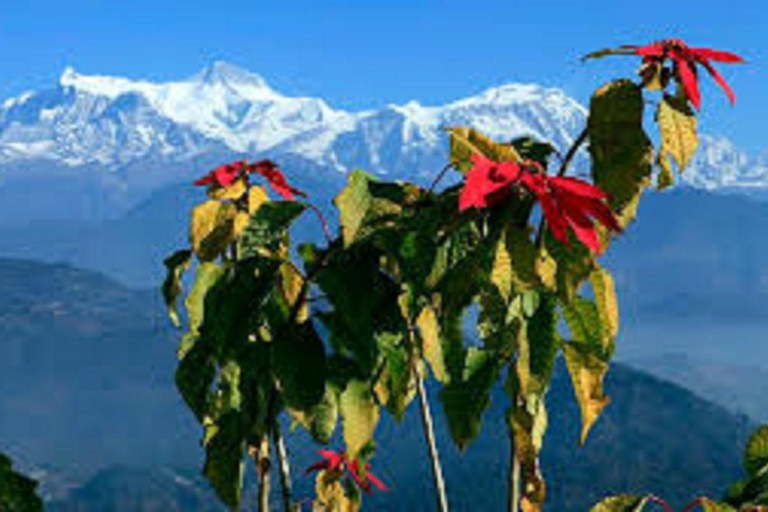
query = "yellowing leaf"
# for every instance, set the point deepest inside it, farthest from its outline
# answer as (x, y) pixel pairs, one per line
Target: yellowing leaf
(293, 283)
(587, 373)
(256, 197)
(678, 127)
(708, 505)
(546, 269)
(353, 203)
(464, 142)
(234, 191)
(360, 414)
(330, 495)
(212, 228)
(605, 299)
(432, 347)
(501, 273)
(621, 503)
(208, 273)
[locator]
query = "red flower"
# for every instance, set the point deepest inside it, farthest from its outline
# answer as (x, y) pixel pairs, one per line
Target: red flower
(269, 170)
(685, 60)
(570, 202)
(223, 175)
(487, 182)
(337, 461)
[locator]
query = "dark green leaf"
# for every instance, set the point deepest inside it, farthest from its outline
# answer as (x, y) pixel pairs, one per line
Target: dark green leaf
(298, 361)
(17, 492)
(268, 226)
(175, 265)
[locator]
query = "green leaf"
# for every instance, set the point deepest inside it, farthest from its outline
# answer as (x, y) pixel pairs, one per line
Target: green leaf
(325, 415)
(531, 149)
(17, 492)
(465, 399)
(621, 503)
(464, 142)
(175, 264)
(224, 452)
(360, 415)
(195, 375)
(621, 151)
(208, 274)
(587, 372)
(571, 265)
(268, 226)
(542, 343)
(395, 386)
(756, 453)
(298, 361)
(587, 327)
(678, 127)
(364, 301)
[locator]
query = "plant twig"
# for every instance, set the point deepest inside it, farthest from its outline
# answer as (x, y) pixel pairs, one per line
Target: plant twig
(514, 475)
(572, 152)
(426, 418)
(439, 176)
(661, 502)
(283, 465)
(260, 456)
(323, 222)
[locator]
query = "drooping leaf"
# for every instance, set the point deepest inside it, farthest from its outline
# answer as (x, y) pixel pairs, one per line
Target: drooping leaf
(464, 142)
(208, 273)
(621, 151)
(325, 415)
(212, 228)
(431, 344)
(587, 327)
(605, 300)
(195, 375)
(18, 493)
(224, 451)
(298, 362)
(175, 264)
(268, 226)
(587, 372)
(621, 503)
(678, 127)
(360, 415)
(465, 399)
(395, 386)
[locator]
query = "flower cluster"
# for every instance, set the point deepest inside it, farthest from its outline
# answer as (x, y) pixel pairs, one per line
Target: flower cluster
(565, 202)
(225, 175)
(339, 463)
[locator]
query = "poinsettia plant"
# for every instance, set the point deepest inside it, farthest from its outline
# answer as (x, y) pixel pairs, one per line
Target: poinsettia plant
(356, 325)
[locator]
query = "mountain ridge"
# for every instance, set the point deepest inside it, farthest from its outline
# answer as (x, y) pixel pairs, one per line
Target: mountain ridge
(113, 140)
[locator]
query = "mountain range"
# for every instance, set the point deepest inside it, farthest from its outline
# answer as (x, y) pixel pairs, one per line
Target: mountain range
(90, 147)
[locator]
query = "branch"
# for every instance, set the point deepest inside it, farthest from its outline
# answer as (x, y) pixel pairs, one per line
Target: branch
(572, 152)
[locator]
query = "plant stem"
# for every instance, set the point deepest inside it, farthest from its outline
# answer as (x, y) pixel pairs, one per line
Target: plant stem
(439, 177)
(572, 152)
(514, 475)
(323, 222)
(426, 418)
(263, 470)
(283, 465)
(661, 502)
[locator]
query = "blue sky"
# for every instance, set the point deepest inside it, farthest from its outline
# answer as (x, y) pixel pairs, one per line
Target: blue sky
(361, 54)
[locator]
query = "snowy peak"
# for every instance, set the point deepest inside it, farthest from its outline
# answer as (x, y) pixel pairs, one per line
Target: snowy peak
(111, 122)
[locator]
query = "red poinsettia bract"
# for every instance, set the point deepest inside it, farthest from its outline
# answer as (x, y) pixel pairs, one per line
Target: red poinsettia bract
(337, 461)
(570, 202)
(223, 175)
(276, 179)
(565, 202)
(487, 182)
(685, 59)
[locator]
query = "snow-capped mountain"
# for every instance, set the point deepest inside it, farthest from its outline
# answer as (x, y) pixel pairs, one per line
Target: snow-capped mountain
(122, 139)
